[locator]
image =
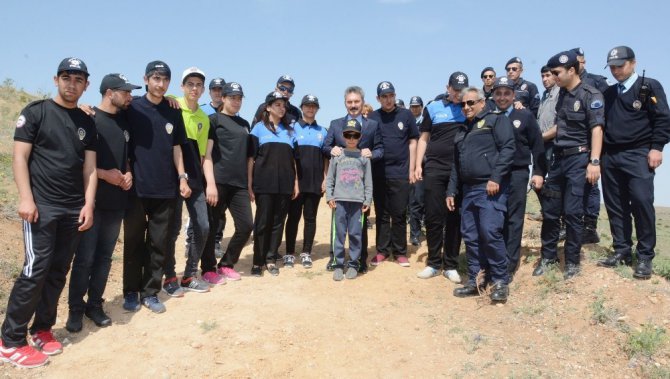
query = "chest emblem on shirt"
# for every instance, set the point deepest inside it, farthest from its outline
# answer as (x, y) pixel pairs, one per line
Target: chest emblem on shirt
(401, 125)
(21, 121)
(576, 106)
(82, 133)
(524, 86)
(126, 135)
(319, 137)
(516, 123)
(169, 128)
(480, 124)
(637, 105)
(199, 126)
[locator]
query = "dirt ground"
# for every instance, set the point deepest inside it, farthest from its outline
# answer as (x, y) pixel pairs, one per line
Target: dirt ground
(385, 324)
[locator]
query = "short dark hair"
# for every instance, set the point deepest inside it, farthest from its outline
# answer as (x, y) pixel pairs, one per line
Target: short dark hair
(544, 69)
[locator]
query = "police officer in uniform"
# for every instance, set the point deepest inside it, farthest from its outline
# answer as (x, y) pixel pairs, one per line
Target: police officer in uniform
(527, 95)
(285, 86)
(528, 144)
(488, 76)
(483, 156)
(579, 122)
(416, 210)
(638, 127)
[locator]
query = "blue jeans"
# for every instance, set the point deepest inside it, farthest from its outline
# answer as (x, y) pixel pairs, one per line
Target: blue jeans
(93, 260)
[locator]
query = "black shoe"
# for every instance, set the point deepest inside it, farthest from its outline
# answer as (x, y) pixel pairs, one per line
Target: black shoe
(257, 271)
(499, 292)
(415, 242)
(571, 270)
(615, 260)
(590, 236)
(543, 266)
(467, 290)
(330, 266)
(362, 268)
(98, 316)
(74, 322)
(642, 270)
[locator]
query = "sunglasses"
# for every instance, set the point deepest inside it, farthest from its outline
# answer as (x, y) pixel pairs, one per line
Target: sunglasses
(488, 76)
(469, 103)
(286, 89)
(351, 136)
(515, 69)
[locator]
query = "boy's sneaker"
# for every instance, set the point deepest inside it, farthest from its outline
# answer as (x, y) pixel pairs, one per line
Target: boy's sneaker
(272, 269)
(213, 278)
(229, 273)
(352, 273)
(402, 261)
(23, 357)
(195, 285)
(45, 341)
(289, 260)
(452, 275)
(428, 273)
(131, 302)
(153, 304)
(338, 274)
(172, 288)
(257, 271)
(378, 259)
(306, 260)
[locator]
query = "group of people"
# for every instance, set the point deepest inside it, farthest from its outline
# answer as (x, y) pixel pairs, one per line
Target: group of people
(461, 164)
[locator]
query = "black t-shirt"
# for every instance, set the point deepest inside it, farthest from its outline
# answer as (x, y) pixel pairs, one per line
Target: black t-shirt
(397, 128)
(154, 131)
(113, 137)
(59, 137)
(231, 144)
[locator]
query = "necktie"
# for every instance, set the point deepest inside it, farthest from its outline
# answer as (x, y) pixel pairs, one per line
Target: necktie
(621, 88)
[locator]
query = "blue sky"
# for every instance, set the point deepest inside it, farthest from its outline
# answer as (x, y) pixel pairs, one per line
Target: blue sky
(326, 45)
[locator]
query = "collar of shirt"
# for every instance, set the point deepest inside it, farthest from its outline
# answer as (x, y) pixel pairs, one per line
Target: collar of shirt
(359, 118)
(302, 122)
(629, 82)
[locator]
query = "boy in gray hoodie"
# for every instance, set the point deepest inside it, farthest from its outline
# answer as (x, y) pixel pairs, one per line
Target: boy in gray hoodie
(349, 193)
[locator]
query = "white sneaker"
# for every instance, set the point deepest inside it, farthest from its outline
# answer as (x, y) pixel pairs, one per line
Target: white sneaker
(427, 273)
(452, 275)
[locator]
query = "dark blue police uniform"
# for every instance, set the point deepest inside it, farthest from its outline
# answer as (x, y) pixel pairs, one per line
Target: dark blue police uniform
(526, 92)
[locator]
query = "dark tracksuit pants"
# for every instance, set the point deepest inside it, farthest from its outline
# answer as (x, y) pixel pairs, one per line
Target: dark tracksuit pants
(305, 205)
(563, 193)
(271, 210)
(628, 189)
(146, 227)
(416, 209)
(236, 200)
(443, 228)
(349, 221)
(50, 244)
(391, 197)
(516, 210)
(198, 212)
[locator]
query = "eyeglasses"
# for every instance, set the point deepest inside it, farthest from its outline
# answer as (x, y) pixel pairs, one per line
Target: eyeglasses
(351, 136)
(469, 103)
(285, 89)
(488, 76)
(515, 69)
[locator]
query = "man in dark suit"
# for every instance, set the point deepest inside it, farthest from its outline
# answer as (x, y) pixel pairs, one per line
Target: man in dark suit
(370, 145)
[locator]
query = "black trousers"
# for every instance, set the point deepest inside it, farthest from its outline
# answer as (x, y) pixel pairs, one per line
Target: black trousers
(146, 227)
(236, 200)
(50, 244)
(271, 210)
(305, 205)
(516, 210)
(443, 228)
(628, 189)
(416, 209)
(391, 197)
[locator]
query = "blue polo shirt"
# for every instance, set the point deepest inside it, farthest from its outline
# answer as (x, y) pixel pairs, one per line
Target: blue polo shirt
(310, 138)
(397, 127)
(274, 154)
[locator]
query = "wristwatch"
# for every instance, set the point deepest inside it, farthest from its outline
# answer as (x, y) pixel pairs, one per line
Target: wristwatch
(183, 176)
(595, 161)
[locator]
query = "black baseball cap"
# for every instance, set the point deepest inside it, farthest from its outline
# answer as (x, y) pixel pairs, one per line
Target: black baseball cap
(400, 103)
(274, 96)
(232, 89)
(286, 79)
(116, 82)
(309, 99)
(503, 81)
(385, 87)
(578, 51)
(564, 58)
(458, 80)
(72, 64)
(158, 67)
(513, 60)
(352, 126)
(217, 83)
(489, 68)
(619, 55)
(416, 100)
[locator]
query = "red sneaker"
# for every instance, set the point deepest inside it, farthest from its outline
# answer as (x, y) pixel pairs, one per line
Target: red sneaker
(402, 261)
(45, 341)
(378, 259)
(24, 357)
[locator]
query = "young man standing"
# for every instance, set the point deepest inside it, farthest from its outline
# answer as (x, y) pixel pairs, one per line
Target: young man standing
(54, 171)
(416, 209)
(215, 91)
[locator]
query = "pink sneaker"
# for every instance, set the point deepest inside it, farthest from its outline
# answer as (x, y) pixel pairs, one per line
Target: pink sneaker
(402, 261)
(45, 341)
(378, 259)
(213, 278)
(229, 273)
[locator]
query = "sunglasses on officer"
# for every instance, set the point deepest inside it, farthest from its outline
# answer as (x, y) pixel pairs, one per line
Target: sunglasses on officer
(351, 135)
(285, 89)
(512, 68)
(470, 103)
(488, 76)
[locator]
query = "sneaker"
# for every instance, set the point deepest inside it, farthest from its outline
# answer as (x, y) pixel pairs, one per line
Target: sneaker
(218, 250)
(452, 275)
(378, 259)
(272, 269)
(213, 278)
(172, 288)
(428, 273)
(153, 304)
(74, 322)
(257, 271)
(131, 302)
(330, 266)
(45, 341)
(306, 260)
(338, 274)
(23, 357)
(195, 285)
(229, 273)
(289, 260)
(352, 273)
(402, 261)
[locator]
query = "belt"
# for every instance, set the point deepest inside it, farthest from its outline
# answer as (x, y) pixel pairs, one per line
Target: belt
(571, 150)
